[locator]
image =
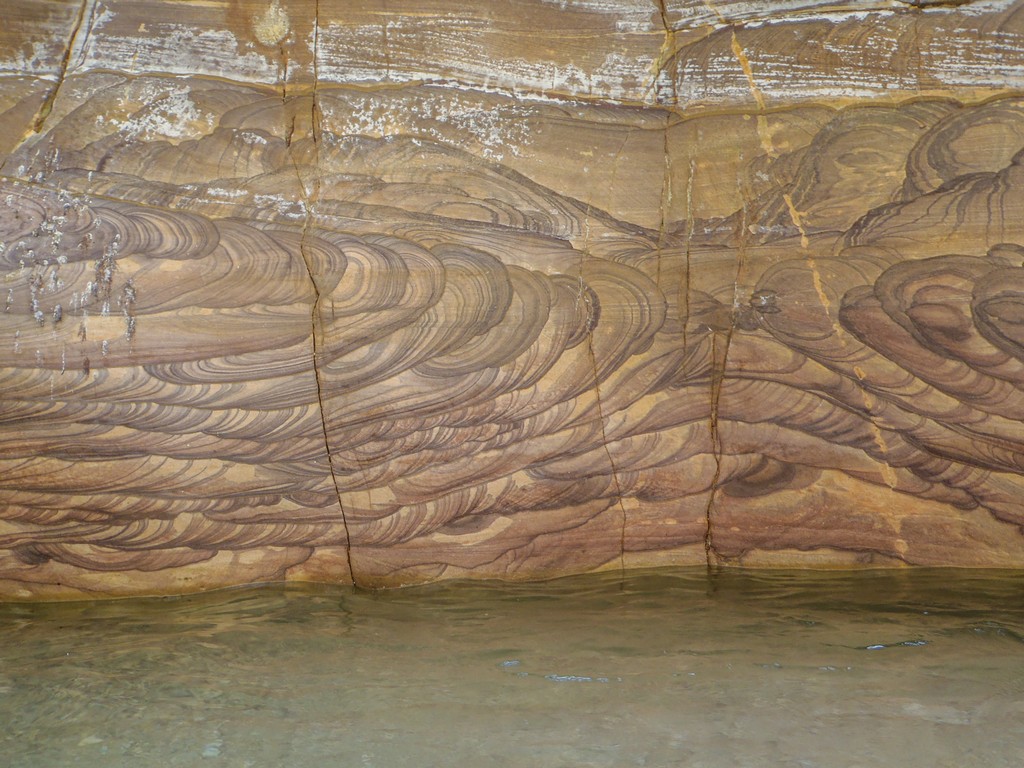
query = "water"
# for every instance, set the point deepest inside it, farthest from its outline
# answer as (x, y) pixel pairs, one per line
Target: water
(680, 668)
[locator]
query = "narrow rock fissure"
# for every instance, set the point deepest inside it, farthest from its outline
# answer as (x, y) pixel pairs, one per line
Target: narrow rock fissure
(688, 243)
(720, 349)
(87, 9)
(608, 453)
(666, 56)
(309, 201)
(669, 57)
(598, 402)
(317, 336)
(665, 201)
(51, 97)
(719, 370)
(711, 555)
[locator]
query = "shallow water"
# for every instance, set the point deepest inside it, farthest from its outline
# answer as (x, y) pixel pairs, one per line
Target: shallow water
(680, 668)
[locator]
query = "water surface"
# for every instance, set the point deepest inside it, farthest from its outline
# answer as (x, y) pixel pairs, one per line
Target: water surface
(679, 668)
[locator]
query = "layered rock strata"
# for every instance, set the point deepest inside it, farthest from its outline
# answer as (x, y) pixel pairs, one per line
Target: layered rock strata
(385, 293)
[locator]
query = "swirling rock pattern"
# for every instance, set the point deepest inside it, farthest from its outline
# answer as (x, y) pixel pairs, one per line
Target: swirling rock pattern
(351, 292)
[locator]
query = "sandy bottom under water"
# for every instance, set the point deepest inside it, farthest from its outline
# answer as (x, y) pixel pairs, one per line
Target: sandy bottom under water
(677, 668)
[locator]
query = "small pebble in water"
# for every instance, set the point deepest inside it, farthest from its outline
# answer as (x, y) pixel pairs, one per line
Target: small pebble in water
(905, 643)
(578, 679)
(212, 750)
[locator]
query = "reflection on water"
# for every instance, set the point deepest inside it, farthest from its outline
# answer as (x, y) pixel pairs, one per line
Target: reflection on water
(680, 668)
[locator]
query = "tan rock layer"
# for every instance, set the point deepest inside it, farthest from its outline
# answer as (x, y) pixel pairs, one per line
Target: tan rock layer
(383, 335)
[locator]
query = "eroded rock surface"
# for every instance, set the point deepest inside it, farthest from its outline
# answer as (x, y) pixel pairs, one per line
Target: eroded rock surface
(366, 292)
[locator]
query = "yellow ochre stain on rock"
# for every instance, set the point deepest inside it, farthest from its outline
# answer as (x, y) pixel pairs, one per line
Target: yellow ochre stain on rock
(762, 120)
(273, 25)
(888, 473)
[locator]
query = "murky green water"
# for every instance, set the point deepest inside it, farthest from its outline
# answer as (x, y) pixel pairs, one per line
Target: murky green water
(657, 669)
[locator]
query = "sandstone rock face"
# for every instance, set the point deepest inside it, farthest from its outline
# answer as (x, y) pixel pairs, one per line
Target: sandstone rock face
(386, 292)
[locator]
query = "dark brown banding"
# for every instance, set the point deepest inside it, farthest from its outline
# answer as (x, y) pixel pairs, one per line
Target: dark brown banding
(533, 291)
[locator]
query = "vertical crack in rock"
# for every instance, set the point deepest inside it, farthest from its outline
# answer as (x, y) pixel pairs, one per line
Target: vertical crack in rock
(608, 453)
(310, 198)
(719, 369)
(584, 297)
(666, 55)
(916, 53)
(665, 202)
(719, 366)
(87, 9)
(685, 322)
(686, 252)
(711, 556)
(272, 29)
(317, 335)
(314, 107)
(669, 56)
(284, 64)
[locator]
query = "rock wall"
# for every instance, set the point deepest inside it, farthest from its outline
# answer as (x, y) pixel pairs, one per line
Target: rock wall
(387, 292)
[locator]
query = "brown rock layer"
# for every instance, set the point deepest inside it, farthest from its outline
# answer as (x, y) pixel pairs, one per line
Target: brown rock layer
(340, 291)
